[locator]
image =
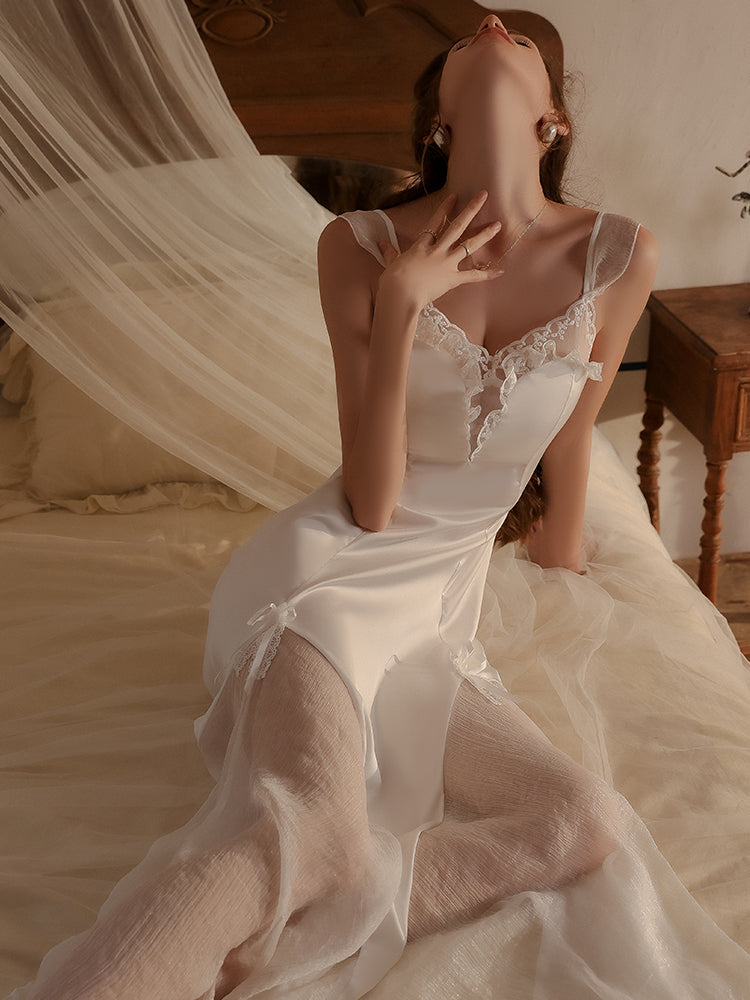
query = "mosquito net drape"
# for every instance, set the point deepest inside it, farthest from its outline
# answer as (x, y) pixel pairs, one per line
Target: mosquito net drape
(146, 245)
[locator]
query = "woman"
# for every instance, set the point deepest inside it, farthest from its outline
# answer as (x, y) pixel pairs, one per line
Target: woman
(374, 780)
(500, 115)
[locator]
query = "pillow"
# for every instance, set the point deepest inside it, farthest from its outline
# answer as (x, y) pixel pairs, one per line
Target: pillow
(15, 374)
(14, 457)
(73, 453)
(79, 448)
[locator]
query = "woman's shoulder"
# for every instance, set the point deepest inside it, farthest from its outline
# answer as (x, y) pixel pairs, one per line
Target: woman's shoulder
(622, 262)
(624, 239)
(611, 242)
(408, 218)
(349, 255)
(588, 218)
(352, 232)
(362, 228)
(595, 226)
(623, 229)
(602, 245)
(398, 224)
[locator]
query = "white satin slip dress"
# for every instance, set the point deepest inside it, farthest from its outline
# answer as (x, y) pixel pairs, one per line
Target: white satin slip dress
(395, 612)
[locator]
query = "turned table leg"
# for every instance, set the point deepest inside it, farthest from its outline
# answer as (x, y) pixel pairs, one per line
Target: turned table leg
(711, 526)
(648, 456)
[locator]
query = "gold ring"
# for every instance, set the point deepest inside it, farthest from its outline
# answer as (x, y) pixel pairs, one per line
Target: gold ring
(432, 233)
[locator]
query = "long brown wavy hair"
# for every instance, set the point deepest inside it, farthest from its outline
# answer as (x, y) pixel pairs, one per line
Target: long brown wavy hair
(432, 176)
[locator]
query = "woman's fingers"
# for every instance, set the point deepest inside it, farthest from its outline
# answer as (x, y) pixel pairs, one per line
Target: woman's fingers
(471, 274)
(449, 231)
(439, 220)
(389, 252)
(439, 259)
(478, 240)
(455, 228)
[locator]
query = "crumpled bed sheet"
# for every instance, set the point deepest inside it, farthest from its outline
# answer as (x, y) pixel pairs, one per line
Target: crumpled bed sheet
(629, 669)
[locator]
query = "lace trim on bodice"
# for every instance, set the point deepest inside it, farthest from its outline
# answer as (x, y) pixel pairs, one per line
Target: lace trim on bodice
(480, 369)
(610, 248)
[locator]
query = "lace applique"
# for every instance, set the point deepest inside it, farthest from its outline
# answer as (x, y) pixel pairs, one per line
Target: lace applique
(479, 369)
(436, 330)
(472, 359)
(255, 655)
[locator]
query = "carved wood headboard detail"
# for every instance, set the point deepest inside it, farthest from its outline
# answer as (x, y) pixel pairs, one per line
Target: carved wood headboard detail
(334, 77)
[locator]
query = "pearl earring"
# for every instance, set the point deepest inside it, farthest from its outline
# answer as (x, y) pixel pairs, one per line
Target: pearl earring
(438, 135)
(547, 132)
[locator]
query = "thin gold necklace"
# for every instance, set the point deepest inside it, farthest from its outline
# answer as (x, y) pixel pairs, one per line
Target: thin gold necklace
(516, 241)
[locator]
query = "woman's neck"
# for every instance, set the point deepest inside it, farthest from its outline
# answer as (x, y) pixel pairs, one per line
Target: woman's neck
(496, 152)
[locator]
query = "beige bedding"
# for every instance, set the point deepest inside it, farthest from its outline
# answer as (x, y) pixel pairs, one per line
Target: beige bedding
(103, 617)
(102, 622)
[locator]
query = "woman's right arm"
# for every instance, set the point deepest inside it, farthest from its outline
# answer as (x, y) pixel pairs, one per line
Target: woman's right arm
(371, 315)
(371, 335)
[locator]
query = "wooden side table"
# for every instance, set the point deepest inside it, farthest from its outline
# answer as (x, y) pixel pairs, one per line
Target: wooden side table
(699, 368)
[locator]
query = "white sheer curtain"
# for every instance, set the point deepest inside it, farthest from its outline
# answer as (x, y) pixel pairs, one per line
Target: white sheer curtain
(146, 245)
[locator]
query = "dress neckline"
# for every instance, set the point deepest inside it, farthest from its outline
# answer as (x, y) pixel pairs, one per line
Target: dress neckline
(494, 358)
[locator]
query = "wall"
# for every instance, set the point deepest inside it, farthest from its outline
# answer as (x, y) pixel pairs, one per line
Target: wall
(664, 96)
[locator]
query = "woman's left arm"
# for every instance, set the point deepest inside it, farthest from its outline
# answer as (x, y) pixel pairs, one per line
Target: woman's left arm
(565, 465)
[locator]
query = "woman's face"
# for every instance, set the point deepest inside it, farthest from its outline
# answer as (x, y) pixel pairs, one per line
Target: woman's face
(494, 57)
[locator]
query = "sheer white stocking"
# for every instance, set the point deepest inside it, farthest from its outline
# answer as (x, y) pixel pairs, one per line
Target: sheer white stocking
(519, 815)
(305, 740)
(199, 923)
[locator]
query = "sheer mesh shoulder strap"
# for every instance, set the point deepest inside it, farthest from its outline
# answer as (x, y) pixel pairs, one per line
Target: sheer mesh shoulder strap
(610, 251)
(369, 229)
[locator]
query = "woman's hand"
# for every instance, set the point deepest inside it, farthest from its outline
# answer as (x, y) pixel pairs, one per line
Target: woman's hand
(439, 258)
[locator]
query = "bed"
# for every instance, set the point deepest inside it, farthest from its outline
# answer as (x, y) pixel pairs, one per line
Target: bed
(111, 547)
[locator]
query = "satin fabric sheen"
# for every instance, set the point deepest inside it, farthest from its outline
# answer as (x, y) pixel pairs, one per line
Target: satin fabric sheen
(396, 612)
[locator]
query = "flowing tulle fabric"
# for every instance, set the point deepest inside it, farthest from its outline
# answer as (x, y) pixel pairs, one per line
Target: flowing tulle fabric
(152, 245)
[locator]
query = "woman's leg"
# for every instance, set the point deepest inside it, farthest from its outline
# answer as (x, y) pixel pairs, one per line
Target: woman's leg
(519, 815)
(193, 925)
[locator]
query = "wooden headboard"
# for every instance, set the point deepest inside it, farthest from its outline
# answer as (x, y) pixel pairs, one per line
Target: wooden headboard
(334, 78)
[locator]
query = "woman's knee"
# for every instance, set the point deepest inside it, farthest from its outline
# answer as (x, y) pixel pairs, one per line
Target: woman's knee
(586, 827)
(333, 864)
